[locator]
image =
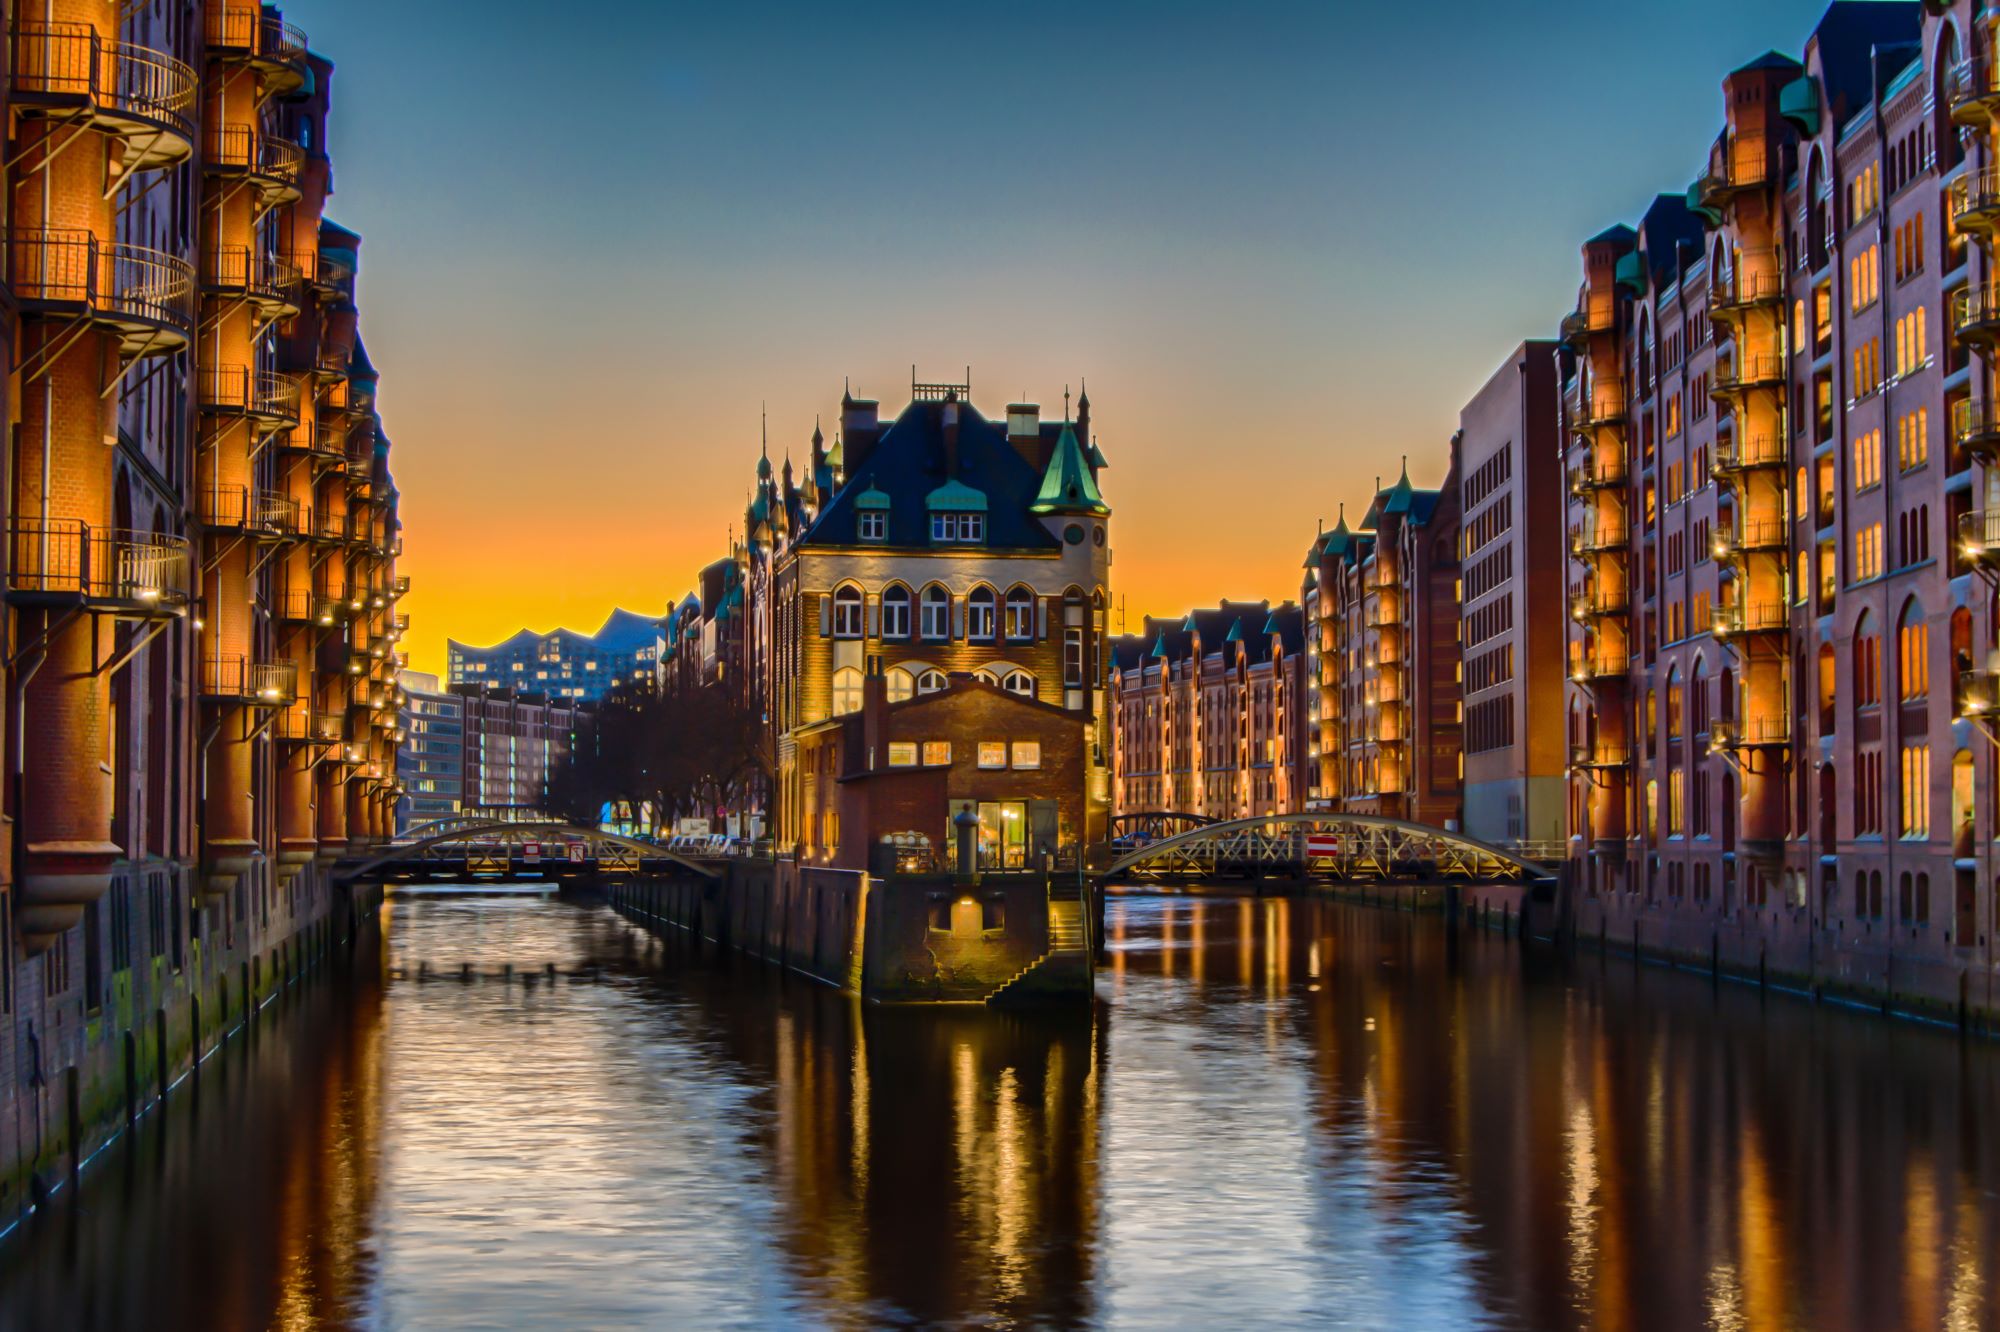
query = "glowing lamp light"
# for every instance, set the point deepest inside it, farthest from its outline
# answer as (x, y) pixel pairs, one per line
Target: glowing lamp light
(147, 593)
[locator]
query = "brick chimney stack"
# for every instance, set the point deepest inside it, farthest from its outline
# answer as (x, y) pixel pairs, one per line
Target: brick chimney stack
(1024, 431)
(860, 428)
(874, 724)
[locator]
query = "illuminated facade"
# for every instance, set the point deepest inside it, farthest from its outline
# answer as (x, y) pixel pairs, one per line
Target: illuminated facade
(1780, 447)
(1209, 714)
(201, 549)
(627, 651)
(939, 543)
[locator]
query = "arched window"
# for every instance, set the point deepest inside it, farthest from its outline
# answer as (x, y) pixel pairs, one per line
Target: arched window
(1676, 704)
(896, 611)
(1019, 682)
(1867, 664)
(1829, 685)
(901, 683)
(985, 676)
(980, 622)
(1698, 699)
(936, 613)
(846, 691)
(930, 682)
(1020, 613)
(847, 611)
(1913, 644)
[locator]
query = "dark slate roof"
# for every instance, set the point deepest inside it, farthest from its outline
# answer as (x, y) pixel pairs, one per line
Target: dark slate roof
(1846, 34)
(1128, 651)
(1288, 625)
(1618, 235)
(1214, 623)
(1673, 235)
(1774, 60)
(907, 464)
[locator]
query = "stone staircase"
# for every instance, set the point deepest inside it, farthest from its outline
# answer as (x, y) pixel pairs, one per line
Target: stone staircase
(1065, 968)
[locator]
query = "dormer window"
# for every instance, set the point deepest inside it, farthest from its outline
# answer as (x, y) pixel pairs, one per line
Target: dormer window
(871, 515)
(874, 525)
(958, 528)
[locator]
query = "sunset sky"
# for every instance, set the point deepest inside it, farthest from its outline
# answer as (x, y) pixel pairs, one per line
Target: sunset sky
(1283, 243)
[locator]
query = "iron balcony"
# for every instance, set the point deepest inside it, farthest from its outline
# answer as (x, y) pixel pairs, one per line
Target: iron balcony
(130, 575)
(272, 287)
(237, 680)
(1979, 537)
(269, 400)
(1596, 667)
(1599, 538)
(1733, 168)
(68, 72)
(1727, 733)
(302, 726)
(1744, 373)
(269, 165)
(1975, 315)
(304, 606)
(1599, 471)
(1599, 757)
(1751, 536)
(1975, 427)
(243, 33)
(262, 513)
(1599, 603)
(1757, 281)
(1734, 456)
(1764, 617)
(1972, 92)
(66, 273)
(1975, 202)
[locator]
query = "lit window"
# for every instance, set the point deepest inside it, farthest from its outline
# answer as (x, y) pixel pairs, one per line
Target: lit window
(930, 682)
(901, 684)
(847, 612)
(1020, 613)
(846, 691)
(992, 753)
(1027, 753)
(937, 753)
(902, 753)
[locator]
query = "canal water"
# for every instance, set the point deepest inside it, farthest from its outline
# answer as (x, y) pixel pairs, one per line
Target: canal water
(1279, 1113)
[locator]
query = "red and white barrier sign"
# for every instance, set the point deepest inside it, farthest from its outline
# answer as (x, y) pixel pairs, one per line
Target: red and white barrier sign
(1322, 844)
(531, 850)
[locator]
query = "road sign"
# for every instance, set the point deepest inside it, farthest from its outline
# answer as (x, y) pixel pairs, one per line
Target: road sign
(576, 853)
(531, 850)
(1322, 845)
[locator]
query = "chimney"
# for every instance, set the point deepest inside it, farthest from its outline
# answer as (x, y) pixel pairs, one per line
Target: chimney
(874, 724)
(1024, 431)
(948, 418)
(860, 427)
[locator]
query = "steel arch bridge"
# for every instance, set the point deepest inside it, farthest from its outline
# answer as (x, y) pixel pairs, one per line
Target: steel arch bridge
(465, 849)
(1325, 845)
(1156, 824)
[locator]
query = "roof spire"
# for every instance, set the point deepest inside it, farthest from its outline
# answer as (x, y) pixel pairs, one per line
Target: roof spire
(1065, 404)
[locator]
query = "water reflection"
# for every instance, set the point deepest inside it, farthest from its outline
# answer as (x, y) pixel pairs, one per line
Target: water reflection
(1280, 1113)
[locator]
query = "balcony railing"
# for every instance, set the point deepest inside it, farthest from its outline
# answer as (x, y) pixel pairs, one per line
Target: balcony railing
(1972, 92)
(1975, 427)
(1749, 732)
(144, 96)
(1734, 166)
(1602, 404)
(1599, 602)
(1747, 372)
(1979, 536)
(275, 286)
(241, 508)
(1975, 201)
(272, 165)
(301, 725)
(68, 272)
(139, 573)
(400, 587)
(1757, 279)
(1600, 537)
(1603, 664)
(305, 606)
(268, 684)
(1762, 617)
(1745, 455)
(247, 32)
(1751, 535)
(1599, 756)
(1975, 313)
(271, 398)
(1599, 471)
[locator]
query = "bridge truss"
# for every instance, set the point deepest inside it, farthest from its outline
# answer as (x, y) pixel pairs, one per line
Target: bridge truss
(1322, 845)
(474, 848)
